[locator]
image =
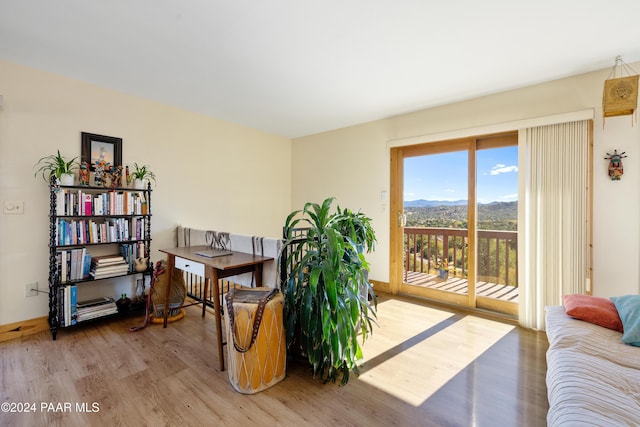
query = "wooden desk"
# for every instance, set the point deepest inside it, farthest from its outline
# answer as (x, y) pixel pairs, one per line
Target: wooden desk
(212, 269)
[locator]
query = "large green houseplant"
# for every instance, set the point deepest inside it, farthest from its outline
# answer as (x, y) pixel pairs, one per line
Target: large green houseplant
(329, 301)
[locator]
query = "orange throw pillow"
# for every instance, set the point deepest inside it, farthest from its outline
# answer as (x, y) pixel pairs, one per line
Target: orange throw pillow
(596, 310)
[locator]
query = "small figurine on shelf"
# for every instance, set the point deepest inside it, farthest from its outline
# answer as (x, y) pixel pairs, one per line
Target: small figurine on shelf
(97, 177)
(116, 177)
(107, 177)
(103, 169)
(141, 264)
(127, 176)
(84, 173)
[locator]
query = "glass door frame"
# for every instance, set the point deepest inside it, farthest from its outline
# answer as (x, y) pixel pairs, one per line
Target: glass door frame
(396, 266)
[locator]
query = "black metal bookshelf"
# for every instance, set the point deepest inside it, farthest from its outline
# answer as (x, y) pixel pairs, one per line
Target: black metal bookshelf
(73, 213)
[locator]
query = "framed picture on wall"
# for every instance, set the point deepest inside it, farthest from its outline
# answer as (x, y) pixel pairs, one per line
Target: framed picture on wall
(101, 150)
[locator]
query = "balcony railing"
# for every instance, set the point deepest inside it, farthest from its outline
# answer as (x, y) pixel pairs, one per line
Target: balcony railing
(426, 249)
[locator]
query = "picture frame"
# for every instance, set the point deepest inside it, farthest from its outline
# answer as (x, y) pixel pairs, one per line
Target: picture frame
(96, 147)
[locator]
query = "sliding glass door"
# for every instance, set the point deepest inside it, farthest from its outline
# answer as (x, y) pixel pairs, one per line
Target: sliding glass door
(455, 237)
(496, 283)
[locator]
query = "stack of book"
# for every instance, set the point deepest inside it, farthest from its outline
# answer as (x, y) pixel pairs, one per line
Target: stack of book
(67, 305)
(94, 308)
(108, 266)
(72, 264)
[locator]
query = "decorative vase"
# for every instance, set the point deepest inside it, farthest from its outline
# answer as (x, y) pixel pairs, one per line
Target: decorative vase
(123, 303)
(141, 264)
(66, 179)
(139, 184)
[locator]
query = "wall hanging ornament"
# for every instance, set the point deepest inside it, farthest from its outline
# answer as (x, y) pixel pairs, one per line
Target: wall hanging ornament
(615, 164)
(620, 95)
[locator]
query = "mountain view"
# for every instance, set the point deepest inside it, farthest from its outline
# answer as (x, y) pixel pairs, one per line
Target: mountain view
(453, 214)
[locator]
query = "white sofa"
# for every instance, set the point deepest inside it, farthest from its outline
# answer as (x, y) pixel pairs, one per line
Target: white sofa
(593, 379)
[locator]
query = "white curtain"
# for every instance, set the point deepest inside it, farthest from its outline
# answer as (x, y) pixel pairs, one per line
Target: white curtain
(554, 236)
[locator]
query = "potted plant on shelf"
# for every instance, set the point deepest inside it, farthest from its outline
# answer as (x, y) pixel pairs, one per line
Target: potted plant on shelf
(141, 175)
(329, 301)
(56, 165)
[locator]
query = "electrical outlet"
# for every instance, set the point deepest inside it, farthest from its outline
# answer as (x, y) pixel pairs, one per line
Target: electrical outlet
(31, 289)
(12, 207)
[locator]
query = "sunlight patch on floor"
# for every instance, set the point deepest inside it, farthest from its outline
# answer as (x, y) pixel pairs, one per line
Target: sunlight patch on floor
(415, 373)
(397, 322)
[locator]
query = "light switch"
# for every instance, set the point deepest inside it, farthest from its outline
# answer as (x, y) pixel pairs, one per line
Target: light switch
(13, 207)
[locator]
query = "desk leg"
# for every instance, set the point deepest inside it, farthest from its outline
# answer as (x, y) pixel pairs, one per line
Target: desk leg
(171, 261)
(218, 313)
(205, 295)
(258, 275)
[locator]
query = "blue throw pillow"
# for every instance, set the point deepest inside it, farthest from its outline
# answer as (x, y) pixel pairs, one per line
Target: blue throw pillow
(628, 307)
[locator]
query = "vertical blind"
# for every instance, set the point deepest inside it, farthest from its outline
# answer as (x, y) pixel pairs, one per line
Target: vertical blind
(555, 236)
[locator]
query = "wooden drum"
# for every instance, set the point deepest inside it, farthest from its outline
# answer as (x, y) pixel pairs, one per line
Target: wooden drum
(255, 338)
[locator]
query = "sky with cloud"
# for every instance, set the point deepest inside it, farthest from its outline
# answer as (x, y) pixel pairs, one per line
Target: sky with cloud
(444, 176)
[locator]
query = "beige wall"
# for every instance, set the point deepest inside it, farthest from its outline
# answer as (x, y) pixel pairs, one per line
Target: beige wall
(210, 174)
(258, 178)
(353, 164)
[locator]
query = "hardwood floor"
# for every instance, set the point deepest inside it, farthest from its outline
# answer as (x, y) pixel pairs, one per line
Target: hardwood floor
(486, 374)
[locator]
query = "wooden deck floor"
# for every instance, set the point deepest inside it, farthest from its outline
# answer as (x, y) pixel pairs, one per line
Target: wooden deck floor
(460, 285)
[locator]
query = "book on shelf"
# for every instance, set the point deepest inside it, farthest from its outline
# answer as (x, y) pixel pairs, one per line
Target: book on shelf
(110, 272)
(105, 311)
(107, 259)
(60, 306)
(71, 311)
(107, 275)
(73, 296)
(119, 269)
(86, 266)
(109, 202)
(131, 251)
(69, 264)
(107, 230)
(87, 205)
(91, 314)
(95, 315)
(67, 312)
(65, 305)
(61, 265)
(60, 201)
(108, 265)
(99, 276)
(94, 308)
(94, 302)
(121, 265)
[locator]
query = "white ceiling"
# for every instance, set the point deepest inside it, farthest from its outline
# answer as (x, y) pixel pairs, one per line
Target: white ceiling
(299, 67)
